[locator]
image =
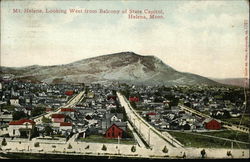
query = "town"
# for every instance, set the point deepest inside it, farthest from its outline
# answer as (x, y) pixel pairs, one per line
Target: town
(95, 114)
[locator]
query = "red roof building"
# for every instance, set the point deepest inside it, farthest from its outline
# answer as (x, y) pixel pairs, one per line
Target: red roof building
(113, 132)
(21, 122)
(58, 118)
(67, 110)
(20, 128)
(111, 97)
(69, 93)
(65, 124)
(212, 124)
(134, 99)
(151, 113)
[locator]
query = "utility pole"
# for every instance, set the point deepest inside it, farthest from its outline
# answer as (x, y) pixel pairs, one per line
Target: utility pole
(139, 126)
(232, 145)
(118, 142)
(149, 137)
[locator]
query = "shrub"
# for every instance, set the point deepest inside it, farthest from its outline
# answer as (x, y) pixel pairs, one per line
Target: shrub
(69, 146)
(4, 143)
(165, 150)
(37, 144)
(133, 149)
(104, 148)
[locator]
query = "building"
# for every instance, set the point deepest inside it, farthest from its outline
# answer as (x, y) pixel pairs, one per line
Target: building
(133, 99)
(113, 132)
(69, 93)
(21, 128)
(5, 117)
(68, 111)
(58, 118)
(212, 124)
(65, 127)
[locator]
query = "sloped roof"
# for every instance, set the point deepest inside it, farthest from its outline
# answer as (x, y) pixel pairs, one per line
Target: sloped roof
(65, 124)
(209, 119)
(67, 110)
(151, 113)
(21, 122)
(110, 115)
(58, 116)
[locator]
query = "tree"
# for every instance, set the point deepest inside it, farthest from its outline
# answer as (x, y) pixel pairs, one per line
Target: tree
(4, 143)
(48, 130)
(133, 104)
(165, 150)
(37, 144)
(133, 149)
(203, 153)
(46, 120)
(35, 132)
(18, 115)
(37, 111)
(104, 148)
(69, 146)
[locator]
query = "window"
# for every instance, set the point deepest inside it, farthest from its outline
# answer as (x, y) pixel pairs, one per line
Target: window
(14, 131)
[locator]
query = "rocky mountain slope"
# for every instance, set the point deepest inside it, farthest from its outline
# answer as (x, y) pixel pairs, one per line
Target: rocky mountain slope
(123, 67)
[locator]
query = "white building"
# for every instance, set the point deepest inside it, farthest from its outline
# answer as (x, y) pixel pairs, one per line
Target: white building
(23, 126)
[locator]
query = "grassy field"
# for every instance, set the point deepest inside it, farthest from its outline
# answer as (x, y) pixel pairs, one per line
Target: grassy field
(245, 120)
(101, 139)
(191, 140)
(234, 135)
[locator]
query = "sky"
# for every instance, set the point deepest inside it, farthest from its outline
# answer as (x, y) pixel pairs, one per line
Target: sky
(204, 37)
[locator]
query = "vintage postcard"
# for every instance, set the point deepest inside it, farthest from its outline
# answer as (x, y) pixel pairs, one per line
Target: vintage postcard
(148, 79)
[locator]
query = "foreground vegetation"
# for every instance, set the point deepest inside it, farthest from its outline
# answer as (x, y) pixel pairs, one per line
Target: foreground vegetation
(101, 139)
(197, 140)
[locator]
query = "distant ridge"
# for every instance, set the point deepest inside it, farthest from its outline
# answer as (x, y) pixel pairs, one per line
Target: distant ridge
(232, 81)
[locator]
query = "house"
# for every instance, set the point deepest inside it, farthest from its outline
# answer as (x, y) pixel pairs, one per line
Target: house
(58, 118)
(114, 132)
(134, 99)
(48, 109)
(111, 97)
(65, 127)
(212, 124)
(153, 116)
(14, 101)
(68, 111)
(112, 117)
(69, 93)
(186, 126)
(5, 117)
(21, 128)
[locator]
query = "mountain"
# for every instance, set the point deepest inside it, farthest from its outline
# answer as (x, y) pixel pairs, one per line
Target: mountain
(232, 81)
(124, 67)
